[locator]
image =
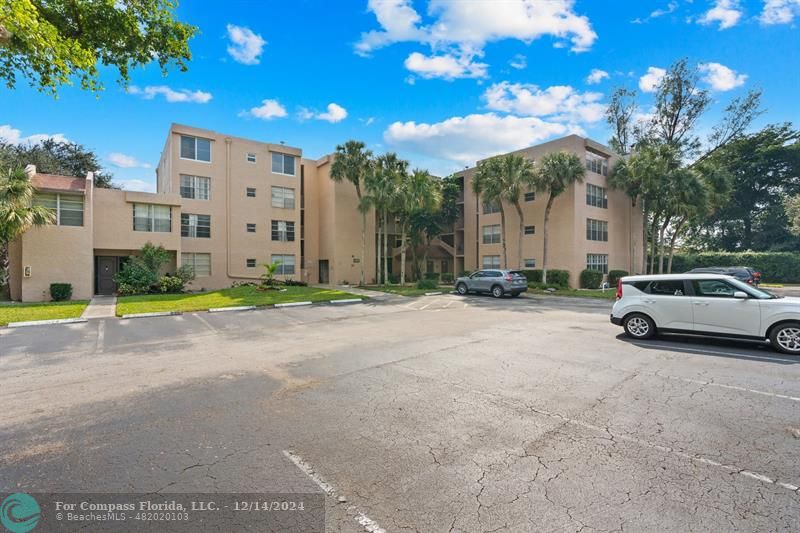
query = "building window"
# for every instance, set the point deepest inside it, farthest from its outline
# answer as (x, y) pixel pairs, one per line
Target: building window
(200, 263)
(596, 196)
(491, 207)
(596, 230)
(251, 228)
(491, 234)
(286, 265)
(530, 230)
(251, 263)
(530, 263)
(195, 187)
(282, 230)
(150, 217)
(445, 266)
(195, 226)
(491, 261)
(530, 196)
(283, 163)
(597, 164)
(598, 262)
(251, 192)
(251, 157)
(283, 197)
(67, 208)
(195, 148)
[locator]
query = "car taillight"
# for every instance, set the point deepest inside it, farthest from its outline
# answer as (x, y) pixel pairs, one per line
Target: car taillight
(619, 289)
(509, 277)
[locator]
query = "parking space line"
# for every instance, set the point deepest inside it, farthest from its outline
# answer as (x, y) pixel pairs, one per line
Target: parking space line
(366, 522)
(735, 387)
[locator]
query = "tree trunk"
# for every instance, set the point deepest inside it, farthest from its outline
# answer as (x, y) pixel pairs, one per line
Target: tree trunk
(672, 245)
(653, 243)
(661, 231)
(544, 237)
(5, 274)
(363, 244)
(521, 233)
(748, 232)
(378, 252)
(385, 246)
(644, 237)
(403, 255)
(503, 234)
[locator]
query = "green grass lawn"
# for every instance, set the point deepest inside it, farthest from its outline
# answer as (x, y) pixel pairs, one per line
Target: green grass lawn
(237, 296)
(40, 311)
(609, 294)
(409, 290)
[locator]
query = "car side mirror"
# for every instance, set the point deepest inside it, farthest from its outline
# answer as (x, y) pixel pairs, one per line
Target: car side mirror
(741, 294)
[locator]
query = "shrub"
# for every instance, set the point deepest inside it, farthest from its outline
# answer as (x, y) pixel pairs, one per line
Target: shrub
(427, 284)
(394, 279)
(614, 275)
(60, 291)
(447, 278)
(269, 273)
(534, 275)
(185, 273)
(293, 283)
(170, 284)
(464, 273)
(557, 278)
(591, 279)
(136, 277)
(432, 275)
(775, 267)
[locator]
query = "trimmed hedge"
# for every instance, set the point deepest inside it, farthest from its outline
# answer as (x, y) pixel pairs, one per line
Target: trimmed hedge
(555, 277)
(60, 291)
(533, 275)
(775, 267)
(591, 279)
(614, 275)
(427, 284)
(447, 278)
(432, 275)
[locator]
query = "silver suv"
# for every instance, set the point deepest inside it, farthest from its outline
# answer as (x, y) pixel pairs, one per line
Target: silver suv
(496, 282)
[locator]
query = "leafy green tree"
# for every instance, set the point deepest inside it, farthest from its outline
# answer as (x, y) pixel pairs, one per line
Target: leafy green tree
(18, 213)
(554, 174)
(50, 42)
(55, 157)
(487, 185)
(417, 192)
(429, 224)
(517, 175)
(353, 163)
(382, 185)
(792, 206)
(270, 269)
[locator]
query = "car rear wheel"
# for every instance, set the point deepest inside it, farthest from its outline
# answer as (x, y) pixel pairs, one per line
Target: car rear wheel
(786, 338)
(639, 326)
(497, 291)
(461, 289)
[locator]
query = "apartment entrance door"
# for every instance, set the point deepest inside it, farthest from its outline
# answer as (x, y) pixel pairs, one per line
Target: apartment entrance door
(106, 270)
(323, 272)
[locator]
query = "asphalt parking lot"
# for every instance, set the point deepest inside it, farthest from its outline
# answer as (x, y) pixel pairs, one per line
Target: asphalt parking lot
(439, 413)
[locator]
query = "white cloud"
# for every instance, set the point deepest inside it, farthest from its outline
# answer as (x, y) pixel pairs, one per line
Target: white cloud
(720, 77)
(14, 136)
(473, 137)
(660, 12)
(268, 110)
(445, 66)
(561, 103)
(136, 185)
(596, 76)
(369, 121)
(171, 95)
(246, 46)
(469, 26)
(335, 113)
(725, 12)
(125, 161)
(649, 82)
(780, 11)
(518, 62)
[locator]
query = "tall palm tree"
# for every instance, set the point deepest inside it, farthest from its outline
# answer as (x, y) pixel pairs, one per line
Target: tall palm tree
(18, 213)
(488, 187)
(555, 173)
(382, 184)
(517, 175)
(417, 191)
(352, 162)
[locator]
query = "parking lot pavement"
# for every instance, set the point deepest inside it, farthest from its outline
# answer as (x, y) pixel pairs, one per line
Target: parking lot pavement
(435, 413)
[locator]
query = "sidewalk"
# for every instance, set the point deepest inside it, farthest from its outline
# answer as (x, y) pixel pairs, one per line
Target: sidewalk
(101, 307)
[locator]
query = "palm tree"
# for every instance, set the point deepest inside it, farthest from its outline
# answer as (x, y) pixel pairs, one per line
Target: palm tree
(488, 186)
(353, 163)
(417, 191)
(382, 184)
(517, 175)
(18, 213)
(556, 172)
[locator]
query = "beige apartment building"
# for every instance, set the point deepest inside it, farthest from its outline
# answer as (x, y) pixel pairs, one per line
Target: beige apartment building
(227, 205)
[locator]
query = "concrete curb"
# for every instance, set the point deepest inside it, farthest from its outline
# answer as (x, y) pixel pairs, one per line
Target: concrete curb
(348, 301)
(148, 315)
(293, 304)
(46, 322)
(237, 308)
(433, 293)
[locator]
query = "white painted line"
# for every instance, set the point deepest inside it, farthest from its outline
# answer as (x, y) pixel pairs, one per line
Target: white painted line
(366, 522)
(347, 301)
(734, 387)
(293, 304)
(101, 333)
(433, 293)
(46, 322)
(449, 304)
(235, 308)
(425, 307)
(714, 352)
(148, 315)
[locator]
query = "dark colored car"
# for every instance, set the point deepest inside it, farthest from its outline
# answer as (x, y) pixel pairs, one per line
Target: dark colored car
(745, 274)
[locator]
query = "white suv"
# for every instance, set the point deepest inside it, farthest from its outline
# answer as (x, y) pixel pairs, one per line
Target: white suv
(706, 304)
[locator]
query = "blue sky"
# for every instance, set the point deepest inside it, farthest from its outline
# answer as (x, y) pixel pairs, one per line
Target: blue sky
(442, 83)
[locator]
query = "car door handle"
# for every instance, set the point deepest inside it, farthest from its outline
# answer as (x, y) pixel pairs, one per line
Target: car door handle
(649, 301)
(700, 303)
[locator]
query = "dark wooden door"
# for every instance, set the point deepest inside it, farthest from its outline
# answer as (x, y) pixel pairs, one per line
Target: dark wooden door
(106, 270)
(323, 271)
